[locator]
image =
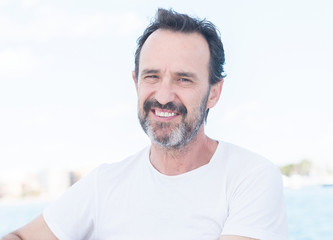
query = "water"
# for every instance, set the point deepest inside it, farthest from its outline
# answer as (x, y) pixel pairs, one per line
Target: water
(310, 213)
(13, 216)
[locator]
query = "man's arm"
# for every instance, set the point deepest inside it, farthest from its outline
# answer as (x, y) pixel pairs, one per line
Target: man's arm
(229, 237)
(35, 230)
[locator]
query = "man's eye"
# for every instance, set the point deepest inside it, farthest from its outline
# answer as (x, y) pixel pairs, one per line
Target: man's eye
(151, 76)
(186, 80)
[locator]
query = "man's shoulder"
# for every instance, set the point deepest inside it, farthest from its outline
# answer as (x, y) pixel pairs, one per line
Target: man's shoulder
(242, 158)
(120, 167)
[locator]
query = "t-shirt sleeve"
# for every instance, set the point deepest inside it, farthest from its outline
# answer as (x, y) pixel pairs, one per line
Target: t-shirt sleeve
(71, 216)
(257, 206)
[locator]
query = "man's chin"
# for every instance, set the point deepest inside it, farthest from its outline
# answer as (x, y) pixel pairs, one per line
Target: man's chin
(163, 140)
(169, 141)
(167, 144)
(165, 134)
(160, 139)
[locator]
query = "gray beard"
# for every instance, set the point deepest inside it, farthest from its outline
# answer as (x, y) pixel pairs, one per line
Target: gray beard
(177, 138)
(181, 134)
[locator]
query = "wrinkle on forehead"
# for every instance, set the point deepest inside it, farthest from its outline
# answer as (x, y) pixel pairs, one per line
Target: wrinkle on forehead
(176, 52)
(178, 74)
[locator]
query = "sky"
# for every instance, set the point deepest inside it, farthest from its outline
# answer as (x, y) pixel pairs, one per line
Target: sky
(67, 98)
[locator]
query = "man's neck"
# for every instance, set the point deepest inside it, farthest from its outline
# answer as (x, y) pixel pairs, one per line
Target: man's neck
(195, 154)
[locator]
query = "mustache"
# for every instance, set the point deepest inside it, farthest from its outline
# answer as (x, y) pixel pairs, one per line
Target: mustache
(152, 103)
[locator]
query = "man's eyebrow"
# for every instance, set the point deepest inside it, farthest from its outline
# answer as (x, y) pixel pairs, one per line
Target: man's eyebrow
(149, 71)
(179, 74)
(186, 74)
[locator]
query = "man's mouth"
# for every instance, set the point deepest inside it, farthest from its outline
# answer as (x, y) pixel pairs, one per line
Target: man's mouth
(164, 114)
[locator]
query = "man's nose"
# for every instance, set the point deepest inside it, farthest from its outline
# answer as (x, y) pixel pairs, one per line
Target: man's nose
(165, 92)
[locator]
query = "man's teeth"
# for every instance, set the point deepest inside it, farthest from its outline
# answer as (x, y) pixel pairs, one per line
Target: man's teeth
(164, 114)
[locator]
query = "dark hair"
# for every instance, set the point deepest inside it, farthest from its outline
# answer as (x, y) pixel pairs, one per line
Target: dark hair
(171, 20)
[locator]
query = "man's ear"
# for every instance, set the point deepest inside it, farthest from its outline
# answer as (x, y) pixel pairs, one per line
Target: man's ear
(215, 93)
(134, 79)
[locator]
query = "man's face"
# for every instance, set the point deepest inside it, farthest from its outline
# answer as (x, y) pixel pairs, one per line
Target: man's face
(173, 87)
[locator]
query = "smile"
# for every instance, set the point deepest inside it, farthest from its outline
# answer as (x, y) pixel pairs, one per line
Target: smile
(164, 114)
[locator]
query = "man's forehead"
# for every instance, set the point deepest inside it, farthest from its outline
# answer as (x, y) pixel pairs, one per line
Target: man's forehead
(180, 52)
(160, 34)
(179, 73)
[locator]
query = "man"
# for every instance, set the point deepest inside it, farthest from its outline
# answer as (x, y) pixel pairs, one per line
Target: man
(185, 185)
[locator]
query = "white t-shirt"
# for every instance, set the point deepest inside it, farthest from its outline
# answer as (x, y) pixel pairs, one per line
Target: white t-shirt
(236, 193)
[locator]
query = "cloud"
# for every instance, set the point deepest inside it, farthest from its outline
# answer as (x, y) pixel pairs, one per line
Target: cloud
(4, 2)
(16, 63)
(48, 23)
(29, 3)
(241, 111)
